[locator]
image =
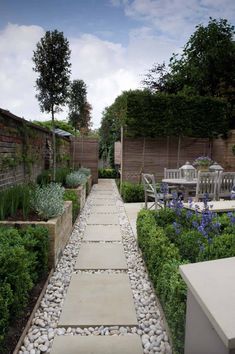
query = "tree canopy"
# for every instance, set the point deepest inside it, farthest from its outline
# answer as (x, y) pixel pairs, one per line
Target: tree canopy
(79, 108)
(206, 66)
(51, 62)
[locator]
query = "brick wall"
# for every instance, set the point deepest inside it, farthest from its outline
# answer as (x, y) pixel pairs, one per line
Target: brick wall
(25, 150)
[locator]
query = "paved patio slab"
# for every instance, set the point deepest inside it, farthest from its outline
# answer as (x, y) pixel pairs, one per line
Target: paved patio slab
(102, 233)
(103, 219)
(97, 344)
(98, 299)
(103, 201)
(103, 209)
(101, 256)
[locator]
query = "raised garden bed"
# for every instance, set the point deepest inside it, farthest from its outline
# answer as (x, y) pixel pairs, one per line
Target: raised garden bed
(59, 229)
(81, 194)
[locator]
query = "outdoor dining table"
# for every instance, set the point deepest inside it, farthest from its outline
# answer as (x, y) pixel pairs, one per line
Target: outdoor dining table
(183, 183)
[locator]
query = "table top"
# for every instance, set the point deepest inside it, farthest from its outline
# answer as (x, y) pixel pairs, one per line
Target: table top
(212, 284)
(219, 206)
(180, 181)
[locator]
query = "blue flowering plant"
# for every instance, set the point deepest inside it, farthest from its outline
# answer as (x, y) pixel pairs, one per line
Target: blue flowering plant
(204, 161)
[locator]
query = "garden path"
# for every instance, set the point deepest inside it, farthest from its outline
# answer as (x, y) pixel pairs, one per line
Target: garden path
(99, 299)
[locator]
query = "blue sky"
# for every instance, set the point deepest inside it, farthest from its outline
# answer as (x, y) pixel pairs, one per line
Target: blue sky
(113, 43)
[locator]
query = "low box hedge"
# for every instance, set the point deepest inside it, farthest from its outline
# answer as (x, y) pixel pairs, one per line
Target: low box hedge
(131, 192)
(23, 262)
(173, 236)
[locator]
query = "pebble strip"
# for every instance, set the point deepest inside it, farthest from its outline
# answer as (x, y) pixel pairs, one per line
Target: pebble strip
(40, 336)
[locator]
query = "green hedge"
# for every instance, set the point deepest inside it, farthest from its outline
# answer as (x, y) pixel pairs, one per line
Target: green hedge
(163, 259)
(171, 115)
(107, 173)
(131, 192)
(173, 236)
(23, 261)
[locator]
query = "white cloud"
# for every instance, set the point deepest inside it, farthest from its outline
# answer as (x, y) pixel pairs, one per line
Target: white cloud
(107, 68)
(177, 18)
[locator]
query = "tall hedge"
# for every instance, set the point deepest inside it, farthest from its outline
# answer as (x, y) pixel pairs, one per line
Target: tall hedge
(151, 115)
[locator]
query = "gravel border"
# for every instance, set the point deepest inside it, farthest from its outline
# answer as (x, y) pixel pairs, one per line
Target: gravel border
(40, 336)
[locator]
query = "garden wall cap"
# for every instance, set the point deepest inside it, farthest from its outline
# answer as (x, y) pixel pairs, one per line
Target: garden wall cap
(212, 284)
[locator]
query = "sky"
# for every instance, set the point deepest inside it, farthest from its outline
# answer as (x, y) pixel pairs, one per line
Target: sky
(113, 44)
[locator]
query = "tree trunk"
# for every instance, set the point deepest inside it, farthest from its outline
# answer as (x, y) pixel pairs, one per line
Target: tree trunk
(53, 144)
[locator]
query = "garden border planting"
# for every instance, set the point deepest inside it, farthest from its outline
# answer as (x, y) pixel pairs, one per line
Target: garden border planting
(59, 229)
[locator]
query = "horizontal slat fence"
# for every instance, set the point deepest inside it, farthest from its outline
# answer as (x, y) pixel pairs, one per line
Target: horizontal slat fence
(145, 155)
(84, 152)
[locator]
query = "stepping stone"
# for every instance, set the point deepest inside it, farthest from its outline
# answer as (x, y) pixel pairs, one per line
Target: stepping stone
(102, 196)
(130, 344)
(101, 256)
(98, 299)
(103, 193)
(102, 233)
(103, 209)
(103, 219)
(103, 201)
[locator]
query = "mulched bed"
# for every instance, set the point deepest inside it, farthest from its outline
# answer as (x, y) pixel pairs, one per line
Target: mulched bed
(32, 216)
(17, 328)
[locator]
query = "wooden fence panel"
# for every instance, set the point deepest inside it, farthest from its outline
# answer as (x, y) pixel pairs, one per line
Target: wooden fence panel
(145, 155)
(85, 152)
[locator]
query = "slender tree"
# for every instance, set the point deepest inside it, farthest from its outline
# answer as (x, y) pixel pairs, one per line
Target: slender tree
(52, 62)
(79, 109)
(77, 101)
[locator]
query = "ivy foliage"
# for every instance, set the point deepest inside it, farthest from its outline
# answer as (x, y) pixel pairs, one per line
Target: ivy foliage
(155, 114)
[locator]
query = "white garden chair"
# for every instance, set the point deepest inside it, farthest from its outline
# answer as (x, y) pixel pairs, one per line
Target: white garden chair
(207, 184)
(150, 192)
(172, 173)
(225, 184)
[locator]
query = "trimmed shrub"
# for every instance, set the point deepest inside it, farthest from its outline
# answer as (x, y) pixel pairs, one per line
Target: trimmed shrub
(162, 259)
(84, 171)
(71, 195)
(75, 179)
(220, 247)
(47, 200)
(173, 293)
(131, 192)
(107, 173)
(23, 259)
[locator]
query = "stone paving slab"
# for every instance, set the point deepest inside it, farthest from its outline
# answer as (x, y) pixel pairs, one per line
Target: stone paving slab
(97, 345)
(101, 256)
(103, 201)
(103, 219)
(103, 209)
(102, 233)
(103, 192)
(98, 299)
(101, 196)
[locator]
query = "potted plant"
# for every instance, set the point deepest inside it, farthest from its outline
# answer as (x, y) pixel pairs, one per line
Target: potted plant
(202, 163)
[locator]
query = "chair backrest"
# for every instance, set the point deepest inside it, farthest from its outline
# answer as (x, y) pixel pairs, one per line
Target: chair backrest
(172, 173)
(149, 184)
(226, 183)
(207, 184)
(191, 173)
